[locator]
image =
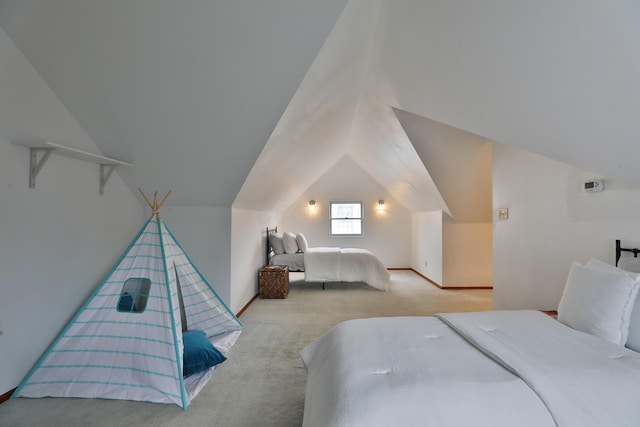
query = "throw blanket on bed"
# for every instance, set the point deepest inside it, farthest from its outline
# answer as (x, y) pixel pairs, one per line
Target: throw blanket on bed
(324, 264)
(420, 371)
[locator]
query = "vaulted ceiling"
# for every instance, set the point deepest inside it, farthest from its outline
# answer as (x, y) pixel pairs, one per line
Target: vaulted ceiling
(224, 101)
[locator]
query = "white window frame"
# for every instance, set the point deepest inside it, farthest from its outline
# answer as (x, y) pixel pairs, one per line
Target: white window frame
(334, 221)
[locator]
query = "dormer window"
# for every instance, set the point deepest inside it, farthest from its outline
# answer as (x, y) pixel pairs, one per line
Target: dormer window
(346, 218)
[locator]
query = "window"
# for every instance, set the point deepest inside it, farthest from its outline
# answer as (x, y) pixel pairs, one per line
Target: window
(134, 295)
(346, 218)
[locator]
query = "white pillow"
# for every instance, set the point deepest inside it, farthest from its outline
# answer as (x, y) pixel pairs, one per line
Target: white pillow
(633, 340)
(302, 242)
(276, 243)
(598, 301)
(289, 242)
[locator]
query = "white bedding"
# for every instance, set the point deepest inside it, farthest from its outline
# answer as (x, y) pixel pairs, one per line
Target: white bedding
(499, 368)
(324, 264)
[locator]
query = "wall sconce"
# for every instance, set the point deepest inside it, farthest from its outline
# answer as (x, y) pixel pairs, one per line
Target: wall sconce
(380, 205)
(312, 207)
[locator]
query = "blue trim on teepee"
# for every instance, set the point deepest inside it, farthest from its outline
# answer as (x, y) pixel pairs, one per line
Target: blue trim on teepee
(183, 390)
(84, 306)
(202, 277)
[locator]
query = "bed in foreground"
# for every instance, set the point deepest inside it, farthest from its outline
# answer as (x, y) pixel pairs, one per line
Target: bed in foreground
(495, 368)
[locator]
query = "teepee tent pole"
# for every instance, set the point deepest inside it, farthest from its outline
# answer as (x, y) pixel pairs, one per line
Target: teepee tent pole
(155, 206)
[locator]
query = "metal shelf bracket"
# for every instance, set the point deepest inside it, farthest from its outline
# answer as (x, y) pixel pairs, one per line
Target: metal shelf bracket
(36, 165)
(105, 173)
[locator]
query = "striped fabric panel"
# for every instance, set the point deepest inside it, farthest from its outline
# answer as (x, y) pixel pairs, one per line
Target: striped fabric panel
(203, 308)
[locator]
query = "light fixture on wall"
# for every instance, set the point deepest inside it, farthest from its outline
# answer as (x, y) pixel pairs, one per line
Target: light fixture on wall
(312, 207)
(380, 205)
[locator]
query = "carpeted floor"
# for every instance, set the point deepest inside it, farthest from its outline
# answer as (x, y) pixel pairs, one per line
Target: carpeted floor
(262, 383)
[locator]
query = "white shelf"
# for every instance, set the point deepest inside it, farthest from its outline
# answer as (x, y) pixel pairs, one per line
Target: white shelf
(47, 147)
(63, 150)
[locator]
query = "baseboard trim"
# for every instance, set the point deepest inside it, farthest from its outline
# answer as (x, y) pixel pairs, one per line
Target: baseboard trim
(242, 310)
(447, 288)
(7, 395)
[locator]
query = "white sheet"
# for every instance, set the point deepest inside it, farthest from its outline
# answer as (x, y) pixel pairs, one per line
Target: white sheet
(419, 371)
(411, 371)
(325, 264)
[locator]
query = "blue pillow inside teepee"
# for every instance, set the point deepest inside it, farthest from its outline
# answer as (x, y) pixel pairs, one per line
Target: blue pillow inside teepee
(126, 303)
(199, 354)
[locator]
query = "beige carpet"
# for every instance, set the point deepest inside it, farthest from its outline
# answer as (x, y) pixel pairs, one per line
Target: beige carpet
(262, 383)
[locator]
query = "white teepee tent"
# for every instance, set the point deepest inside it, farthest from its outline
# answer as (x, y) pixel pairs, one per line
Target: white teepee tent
(126, 341)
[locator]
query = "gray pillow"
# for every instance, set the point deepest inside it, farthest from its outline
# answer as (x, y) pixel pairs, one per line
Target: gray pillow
(276, 243)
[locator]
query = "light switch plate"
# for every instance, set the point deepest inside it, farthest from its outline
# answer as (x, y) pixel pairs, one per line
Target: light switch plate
(503, 213)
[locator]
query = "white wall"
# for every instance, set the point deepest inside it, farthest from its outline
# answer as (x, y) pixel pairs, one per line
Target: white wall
(248, 253)
(467, 255)
(552, 223)
(59, 240)
(386, 233)
(426, 244)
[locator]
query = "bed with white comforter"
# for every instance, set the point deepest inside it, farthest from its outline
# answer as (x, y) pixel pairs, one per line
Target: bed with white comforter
(496, 368)
(345, 265)
(326, 264)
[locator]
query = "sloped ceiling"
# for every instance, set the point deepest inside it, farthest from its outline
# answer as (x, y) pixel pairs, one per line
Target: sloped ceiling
(189, 91)
(194, 92)
(467, 187)
(335, 114)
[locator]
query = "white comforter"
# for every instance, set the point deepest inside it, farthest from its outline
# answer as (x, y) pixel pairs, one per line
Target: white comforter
(527, 370)
(323, 264)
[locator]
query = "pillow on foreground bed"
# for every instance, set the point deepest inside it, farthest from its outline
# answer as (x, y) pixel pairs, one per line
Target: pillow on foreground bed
(633, 340)
(199, 354)
(302, 242)
(275, 240)
(598, 301)
(290, 243)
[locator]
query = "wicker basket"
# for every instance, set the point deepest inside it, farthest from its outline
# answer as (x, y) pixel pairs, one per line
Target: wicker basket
(273, 281)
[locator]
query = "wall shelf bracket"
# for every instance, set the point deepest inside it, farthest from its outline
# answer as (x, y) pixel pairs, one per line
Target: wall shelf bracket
(105, 173)
(36, 165)
(45, 148)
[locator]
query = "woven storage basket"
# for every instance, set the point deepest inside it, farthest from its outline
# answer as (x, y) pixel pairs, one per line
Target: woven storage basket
(273, 282)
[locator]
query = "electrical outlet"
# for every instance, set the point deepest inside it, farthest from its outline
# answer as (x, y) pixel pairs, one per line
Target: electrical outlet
(503, 213)
(425, 263)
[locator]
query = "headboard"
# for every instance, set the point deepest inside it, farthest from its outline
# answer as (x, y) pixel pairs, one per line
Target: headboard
(620, 249)
(268, 248)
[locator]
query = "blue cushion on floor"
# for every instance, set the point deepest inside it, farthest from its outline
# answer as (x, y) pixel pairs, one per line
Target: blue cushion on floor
(199, 353)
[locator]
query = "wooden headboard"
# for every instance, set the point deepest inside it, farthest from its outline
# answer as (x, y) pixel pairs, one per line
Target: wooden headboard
(268, 248)
(620, 249)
